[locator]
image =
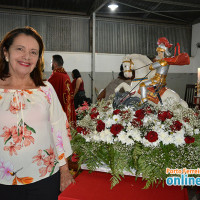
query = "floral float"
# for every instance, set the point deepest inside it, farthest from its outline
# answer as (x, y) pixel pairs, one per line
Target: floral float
(143, 142)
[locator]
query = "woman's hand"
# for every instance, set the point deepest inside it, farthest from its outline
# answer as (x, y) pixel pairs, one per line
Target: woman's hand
(65, 177)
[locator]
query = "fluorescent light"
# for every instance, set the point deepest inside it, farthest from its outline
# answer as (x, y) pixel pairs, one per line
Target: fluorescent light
(113, 6)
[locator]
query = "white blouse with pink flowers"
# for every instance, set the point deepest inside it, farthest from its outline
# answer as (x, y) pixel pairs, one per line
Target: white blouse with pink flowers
(34, 135)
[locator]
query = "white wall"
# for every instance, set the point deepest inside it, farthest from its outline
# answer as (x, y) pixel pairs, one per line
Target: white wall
(195, 39)
(194, 49)
(82, 61)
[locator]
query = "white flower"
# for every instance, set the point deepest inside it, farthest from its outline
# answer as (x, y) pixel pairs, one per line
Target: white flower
(96, 137)
(179, 138)
(108, 122)
(162, 135)
(146, 119)
(124, 139)
(188, 128)
(145, 142)
(87, 139)
(168, 140)
(196, 131)
(101, 115)
(129, 127)
(106, 136)
(158, 123)
(123, 123)
(135, 134)
(116, 119)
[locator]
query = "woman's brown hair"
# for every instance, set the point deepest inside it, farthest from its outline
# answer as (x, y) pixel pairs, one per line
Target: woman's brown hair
(5, 44)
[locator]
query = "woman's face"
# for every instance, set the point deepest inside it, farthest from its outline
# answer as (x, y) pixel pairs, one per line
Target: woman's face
(22, 55)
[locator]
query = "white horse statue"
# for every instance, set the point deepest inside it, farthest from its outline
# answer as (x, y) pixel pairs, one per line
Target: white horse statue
(140, 63)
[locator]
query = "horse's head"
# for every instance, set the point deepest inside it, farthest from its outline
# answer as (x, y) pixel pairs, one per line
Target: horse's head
(127, 65)
(141, 64)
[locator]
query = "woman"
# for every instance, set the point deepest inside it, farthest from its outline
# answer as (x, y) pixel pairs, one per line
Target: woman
(33, 137)
(78, 87)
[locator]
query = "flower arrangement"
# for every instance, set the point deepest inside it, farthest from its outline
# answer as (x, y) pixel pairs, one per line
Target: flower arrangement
(146, 141)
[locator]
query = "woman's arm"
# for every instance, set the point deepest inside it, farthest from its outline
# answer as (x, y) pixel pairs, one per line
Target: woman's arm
(78, 83)
(65, 177)
(60, 129)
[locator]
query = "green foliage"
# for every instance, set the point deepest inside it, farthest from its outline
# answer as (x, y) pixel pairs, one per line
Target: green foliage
(118, 157)
(152, 162)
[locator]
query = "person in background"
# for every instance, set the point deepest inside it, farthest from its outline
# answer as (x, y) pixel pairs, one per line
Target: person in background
(34, 142)
(62, 85)
(78, 88)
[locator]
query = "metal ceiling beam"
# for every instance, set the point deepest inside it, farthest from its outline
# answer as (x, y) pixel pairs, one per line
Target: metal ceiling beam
(140, 20)
(193, 5)
(156, 11)
(25, 10)
(97, 5)
(152, 12)
(152, 9)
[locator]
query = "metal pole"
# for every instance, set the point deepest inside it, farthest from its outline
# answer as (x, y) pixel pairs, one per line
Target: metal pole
(93, 57)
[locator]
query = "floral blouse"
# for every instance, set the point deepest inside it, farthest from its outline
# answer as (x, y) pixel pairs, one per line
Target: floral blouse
(34, 135)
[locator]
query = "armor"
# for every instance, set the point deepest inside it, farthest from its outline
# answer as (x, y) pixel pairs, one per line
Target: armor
(161, 66)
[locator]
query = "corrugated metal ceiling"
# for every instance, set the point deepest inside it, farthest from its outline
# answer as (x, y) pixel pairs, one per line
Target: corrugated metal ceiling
(169, 11)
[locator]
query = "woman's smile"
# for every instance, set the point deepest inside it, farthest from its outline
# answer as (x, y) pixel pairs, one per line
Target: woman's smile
(25, 64)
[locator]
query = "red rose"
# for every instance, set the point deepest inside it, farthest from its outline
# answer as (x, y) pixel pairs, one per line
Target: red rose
(82, 130)
(125, 112)
(100, 126)
(162, 115)
(116, 128)
(148, 110)
(79, 129)
(137, 122)
(189, 139)
(186, 119)
(94, 110)
(94, 115)
(140, 114)
(176, 126)
(152, 136)
(106, 108)
(169, 114)
(116, 112)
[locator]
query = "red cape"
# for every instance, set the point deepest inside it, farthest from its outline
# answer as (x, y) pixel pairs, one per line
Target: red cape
(61, 82)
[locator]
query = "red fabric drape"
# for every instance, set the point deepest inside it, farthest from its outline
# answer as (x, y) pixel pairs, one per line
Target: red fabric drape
(96, 186)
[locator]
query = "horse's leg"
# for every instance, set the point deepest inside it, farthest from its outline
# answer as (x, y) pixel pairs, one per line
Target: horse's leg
(124, 86)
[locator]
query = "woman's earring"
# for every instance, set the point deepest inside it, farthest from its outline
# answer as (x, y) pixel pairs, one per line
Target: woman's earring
(6, 58)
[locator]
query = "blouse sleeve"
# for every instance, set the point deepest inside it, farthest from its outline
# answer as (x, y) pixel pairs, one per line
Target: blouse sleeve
(60, 128)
